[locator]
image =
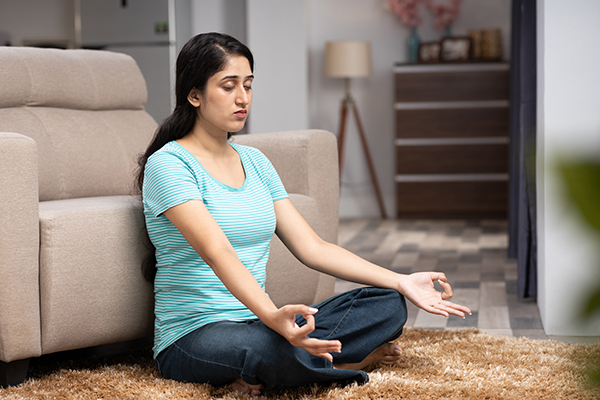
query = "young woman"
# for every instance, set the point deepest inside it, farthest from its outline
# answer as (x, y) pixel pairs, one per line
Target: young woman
(211, 208)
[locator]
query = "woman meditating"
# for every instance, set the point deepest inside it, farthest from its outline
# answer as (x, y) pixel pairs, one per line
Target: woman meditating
(211, 208)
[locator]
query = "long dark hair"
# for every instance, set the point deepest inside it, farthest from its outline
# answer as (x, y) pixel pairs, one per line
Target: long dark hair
(200, 58)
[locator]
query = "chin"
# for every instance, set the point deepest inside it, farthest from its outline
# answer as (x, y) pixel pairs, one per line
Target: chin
(237, 128)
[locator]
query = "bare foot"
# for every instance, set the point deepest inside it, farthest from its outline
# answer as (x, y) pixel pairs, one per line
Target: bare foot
(387, 354)
(245, 388)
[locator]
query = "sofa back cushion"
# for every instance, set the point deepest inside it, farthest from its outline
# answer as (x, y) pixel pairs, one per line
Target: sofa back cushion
(84, 109)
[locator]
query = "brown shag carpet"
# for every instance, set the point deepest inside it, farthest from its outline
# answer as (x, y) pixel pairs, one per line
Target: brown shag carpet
(450, 364)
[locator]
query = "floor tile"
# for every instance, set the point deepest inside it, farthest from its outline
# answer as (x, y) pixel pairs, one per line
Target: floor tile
(576, 339)
(456, 284)
(493, 294)
(472, 254)
(427, 320)
(493, 317)
(470, 321)
(530, 333)
(466, 297)
(405, 259)
(525, 323)
(498, 332)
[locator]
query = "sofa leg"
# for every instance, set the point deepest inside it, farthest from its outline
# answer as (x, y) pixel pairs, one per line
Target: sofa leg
(13, 373)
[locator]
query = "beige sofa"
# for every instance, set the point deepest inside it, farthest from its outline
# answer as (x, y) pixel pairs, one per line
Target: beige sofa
(72, 124)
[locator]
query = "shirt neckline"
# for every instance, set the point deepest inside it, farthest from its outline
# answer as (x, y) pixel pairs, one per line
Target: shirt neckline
(197, 162)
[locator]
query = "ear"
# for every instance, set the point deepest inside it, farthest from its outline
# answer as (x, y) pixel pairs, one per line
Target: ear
(194, 97)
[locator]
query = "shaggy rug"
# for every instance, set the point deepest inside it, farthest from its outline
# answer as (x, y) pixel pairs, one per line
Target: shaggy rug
(450, 364)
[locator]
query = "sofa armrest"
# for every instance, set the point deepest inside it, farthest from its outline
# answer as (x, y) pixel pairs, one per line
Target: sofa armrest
(307, 162)
(19, 248)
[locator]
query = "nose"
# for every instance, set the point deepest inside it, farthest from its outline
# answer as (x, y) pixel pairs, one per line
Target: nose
(243, 97)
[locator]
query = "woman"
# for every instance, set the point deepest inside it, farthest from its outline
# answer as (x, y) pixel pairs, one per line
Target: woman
(211, 207)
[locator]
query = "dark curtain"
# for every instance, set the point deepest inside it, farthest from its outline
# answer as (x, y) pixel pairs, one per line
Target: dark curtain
(522, 190)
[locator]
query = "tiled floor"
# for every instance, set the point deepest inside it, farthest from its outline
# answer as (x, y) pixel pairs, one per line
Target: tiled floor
(472, 254)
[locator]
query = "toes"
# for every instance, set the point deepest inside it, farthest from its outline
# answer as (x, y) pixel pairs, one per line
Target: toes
(389, 359)
(245, 388)
(392, 349)
(392, 353)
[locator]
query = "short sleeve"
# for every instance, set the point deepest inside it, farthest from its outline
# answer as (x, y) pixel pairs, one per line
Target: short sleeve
(266, 172)
(274, 183)
(168, 181)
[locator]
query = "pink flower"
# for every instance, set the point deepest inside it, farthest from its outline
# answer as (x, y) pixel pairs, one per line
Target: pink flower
(444, 13)
(406, 10)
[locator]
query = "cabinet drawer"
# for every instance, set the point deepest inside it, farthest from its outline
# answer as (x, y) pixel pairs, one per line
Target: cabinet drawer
(452, 199)
(452, 159)
(452, 86)
(454, 122)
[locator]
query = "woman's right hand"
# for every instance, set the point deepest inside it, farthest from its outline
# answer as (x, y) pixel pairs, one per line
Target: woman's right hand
(284, 323)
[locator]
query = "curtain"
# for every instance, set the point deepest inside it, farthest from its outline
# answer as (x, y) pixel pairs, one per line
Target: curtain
(522, 186)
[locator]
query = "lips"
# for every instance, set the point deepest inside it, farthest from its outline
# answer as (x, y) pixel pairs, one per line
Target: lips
(241, 113)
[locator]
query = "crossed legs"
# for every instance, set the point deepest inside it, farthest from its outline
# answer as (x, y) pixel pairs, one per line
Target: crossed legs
(252, 358)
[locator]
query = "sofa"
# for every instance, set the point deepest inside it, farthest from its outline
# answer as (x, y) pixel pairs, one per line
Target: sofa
(72, 235)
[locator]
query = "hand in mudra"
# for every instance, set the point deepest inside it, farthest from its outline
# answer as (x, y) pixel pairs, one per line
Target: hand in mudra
(285, 325)
(419, 288)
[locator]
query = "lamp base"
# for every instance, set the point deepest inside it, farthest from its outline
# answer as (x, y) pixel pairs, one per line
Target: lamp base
(348, 103)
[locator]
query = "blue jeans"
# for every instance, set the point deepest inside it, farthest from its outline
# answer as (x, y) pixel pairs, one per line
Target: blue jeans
(220, 352)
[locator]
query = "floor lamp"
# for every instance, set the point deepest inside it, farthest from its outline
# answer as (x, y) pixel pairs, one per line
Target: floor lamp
(351, 60)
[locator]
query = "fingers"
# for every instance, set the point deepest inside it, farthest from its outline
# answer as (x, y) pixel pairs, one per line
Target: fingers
(447, 289)
(451, 308)
(299, 309)
(446, 308)
(318, 347)
(306, 328)
(321, 348)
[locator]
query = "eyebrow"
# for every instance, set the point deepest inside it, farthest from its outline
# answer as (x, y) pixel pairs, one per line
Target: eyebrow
(236, 77)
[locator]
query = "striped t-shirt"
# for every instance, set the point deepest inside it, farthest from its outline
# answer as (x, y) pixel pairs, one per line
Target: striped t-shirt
(187, 292)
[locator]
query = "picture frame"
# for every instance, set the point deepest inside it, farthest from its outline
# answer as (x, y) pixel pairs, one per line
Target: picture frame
(455, 49)
(429, 52)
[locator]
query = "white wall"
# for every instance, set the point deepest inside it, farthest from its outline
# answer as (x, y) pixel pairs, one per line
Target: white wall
(225, 16)
(277, 36)
(370, 20)
(568, 126)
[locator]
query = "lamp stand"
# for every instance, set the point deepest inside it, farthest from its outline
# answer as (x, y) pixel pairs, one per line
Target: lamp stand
(348, 103)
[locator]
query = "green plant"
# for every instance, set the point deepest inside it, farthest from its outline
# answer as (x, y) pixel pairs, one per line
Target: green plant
(582, 182)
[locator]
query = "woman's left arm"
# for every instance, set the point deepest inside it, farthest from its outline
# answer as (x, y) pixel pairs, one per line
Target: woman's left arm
(334, 260)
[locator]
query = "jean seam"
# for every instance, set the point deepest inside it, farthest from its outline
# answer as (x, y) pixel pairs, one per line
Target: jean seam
(205, 361)
(345, 314)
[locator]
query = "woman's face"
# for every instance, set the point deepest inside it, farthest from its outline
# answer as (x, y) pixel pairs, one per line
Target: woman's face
(224, 105)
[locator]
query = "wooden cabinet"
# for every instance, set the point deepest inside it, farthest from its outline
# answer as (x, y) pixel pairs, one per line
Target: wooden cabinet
(452, 124)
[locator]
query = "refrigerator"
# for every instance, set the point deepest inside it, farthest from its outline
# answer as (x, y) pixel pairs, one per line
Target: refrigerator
(151, 31)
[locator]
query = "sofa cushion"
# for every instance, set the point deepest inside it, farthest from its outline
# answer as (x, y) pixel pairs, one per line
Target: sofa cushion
(74, 79)
(91, 287)
(84, 109)
(288, 280)
(82, 153)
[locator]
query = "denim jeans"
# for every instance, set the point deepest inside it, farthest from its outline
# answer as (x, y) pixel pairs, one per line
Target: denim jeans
(220, 352)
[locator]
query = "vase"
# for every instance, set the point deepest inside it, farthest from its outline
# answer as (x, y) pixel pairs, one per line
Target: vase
(413, 46)
(447, 31)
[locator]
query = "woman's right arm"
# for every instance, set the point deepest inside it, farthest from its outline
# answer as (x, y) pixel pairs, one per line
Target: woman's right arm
(204, 234)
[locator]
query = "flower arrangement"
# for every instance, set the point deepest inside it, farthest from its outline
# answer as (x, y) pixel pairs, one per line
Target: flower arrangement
(406, 10)
(444, 13)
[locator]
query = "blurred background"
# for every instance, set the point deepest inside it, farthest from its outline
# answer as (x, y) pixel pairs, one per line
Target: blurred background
(551, 71)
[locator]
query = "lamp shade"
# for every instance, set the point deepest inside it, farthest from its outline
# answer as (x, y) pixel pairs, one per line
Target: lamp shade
(348, 59)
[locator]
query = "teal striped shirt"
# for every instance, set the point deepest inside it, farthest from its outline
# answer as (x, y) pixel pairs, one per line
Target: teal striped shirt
(187, 292)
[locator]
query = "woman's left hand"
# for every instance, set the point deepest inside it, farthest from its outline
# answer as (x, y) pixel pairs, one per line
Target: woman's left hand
(420, 290)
